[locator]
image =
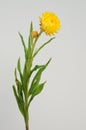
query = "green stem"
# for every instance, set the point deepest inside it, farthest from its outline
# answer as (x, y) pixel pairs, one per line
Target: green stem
(27, 123)
(26, 114)
(36, 41)
(29, 65)
(27, 126)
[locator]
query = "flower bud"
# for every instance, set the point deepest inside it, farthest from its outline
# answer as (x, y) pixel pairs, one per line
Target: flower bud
(34, 34)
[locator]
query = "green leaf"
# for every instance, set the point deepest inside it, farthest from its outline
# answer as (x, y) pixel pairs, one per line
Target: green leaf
(19, 69)
(36, 52)
(35, 68)
(31, 28)
(19, 86)
(36, 91)
(18, 83)
(15, 74)
(37, 77)
(23, 43)
(19, 102)
(30, 40)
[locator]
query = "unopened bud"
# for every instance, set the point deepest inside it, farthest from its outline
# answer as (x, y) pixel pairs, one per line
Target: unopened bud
(35, 34)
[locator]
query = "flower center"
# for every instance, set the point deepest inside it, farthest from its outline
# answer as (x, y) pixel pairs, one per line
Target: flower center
(51, 20)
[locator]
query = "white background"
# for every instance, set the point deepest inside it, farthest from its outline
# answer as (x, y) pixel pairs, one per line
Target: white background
(62, 104)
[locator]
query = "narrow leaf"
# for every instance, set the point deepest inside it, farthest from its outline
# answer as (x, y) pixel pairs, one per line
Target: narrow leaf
(37, 77)
(18, 83)
(15, 74)
(20, 104)
(19, 69)
(23, 43)
(35, 68)
(36, 52)
(30, 40)
(36, 91)
(19, 86)
(30, 36)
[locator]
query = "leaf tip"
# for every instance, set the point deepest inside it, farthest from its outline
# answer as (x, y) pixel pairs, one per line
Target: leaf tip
(48, 61)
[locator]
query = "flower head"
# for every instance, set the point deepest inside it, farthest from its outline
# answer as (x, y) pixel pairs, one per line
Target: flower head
(49, 23)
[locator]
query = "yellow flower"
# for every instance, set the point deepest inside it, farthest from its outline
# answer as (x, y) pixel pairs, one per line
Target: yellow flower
(49, 23)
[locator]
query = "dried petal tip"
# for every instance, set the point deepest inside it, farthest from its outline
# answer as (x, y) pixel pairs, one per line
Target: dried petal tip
(35, 34)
